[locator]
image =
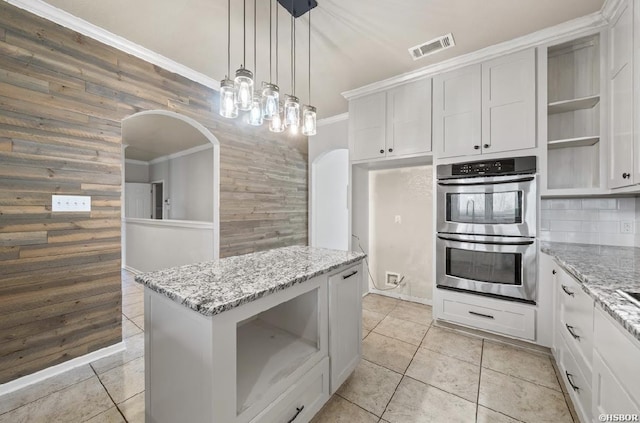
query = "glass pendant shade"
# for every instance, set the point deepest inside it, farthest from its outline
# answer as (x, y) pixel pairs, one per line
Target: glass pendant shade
(276, 124)
(243, 83)
(255, 114)
(292, 113)
(270, 100)
(228, 106)
(308, 120)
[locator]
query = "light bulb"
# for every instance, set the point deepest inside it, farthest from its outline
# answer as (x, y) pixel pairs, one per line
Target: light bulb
(276, 124)
(243, 83)
(270, 100)
(291, 111)
(308, 120)
(228, 107)
(255, 114)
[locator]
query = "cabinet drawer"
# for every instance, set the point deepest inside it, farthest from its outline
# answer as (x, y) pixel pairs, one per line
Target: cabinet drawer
(484, 313)
(578, 385)
(576, 318)
(302, 400)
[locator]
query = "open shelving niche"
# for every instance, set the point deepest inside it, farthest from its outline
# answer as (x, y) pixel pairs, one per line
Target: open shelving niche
(573, 114)
(274, 344)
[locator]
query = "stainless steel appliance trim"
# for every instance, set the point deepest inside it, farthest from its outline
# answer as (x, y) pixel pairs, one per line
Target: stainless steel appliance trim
(526, 292)
(498, 184)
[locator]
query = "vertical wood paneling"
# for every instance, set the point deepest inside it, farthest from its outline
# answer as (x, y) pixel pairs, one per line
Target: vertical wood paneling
(62, 99)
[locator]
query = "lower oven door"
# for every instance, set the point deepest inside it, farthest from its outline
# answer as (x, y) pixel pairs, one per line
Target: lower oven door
(488, 265)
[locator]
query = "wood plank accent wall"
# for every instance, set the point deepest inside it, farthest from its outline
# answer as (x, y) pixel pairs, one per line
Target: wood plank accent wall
(62, 99)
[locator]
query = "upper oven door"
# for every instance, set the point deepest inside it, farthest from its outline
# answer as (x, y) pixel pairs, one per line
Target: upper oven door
(495, 205)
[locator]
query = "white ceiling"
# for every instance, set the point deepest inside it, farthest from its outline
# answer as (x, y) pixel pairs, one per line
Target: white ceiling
(353, 43)
(149, 136)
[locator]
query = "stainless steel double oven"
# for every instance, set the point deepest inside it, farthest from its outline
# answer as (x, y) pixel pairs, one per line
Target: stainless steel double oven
(486, 223)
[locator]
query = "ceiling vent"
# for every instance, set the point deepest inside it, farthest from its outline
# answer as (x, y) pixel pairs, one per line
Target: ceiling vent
(431, 47)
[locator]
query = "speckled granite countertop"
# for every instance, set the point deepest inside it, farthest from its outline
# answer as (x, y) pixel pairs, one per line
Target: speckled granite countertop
(216, 286)
(602, 270)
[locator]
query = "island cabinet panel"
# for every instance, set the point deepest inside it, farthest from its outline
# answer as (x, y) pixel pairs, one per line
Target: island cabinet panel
(63, 97)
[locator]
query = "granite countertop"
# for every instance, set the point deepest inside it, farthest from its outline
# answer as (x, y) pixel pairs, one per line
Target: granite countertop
(216, 286)
(602, 270)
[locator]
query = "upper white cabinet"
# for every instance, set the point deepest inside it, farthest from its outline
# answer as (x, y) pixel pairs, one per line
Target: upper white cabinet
(621, 140)
(485, 108)
(393, 123)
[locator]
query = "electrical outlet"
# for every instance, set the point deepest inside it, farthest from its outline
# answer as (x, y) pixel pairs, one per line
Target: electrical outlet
(398, 219)
(391, 279)
(70, 203)
(626, 227)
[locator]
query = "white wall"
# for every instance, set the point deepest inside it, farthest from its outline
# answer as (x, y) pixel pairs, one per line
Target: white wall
(404, 247)
(330, 223)
(188, 184)
(136, 172)
(160, 244)
(589, 220)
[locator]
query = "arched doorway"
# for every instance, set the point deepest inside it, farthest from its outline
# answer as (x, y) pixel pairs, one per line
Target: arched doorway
(330, 208)
(182, 161)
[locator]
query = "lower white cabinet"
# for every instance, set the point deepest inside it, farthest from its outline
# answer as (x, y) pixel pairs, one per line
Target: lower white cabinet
(345, 324)
(577, 383)
(499, 316)
(616, 368)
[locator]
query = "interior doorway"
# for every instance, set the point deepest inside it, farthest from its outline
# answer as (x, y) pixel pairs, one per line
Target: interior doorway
(157, 196)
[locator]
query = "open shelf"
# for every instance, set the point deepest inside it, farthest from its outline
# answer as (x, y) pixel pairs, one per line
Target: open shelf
(573, 142)
(572, 105)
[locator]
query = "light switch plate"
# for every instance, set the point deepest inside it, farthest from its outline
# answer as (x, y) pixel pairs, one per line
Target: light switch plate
(70, 203)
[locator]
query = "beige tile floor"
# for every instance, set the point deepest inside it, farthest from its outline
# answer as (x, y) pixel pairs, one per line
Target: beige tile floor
(412, 371)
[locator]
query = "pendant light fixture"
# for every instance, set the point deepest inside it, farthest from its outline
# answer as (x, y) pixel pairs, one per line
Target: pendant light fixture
(243, 82)
(308, 111)
(228, 106)
(292, 104)
(270, 91)
(276, 124)
(255, 114)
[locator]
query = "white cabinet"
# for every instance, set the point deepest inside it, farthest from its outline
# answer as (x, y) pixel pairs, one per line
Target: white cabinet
(616, 368)
(621, 144)
(546, 304)
(392, 123)
(485, 108)
(345, 324)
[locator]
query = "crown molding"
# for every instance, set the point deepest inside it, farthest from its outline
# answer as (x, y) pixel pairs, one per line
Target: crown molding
(546, 35)
(136, 162)
(610, 8)
(333, 119)
(192, 150)
(67, 20)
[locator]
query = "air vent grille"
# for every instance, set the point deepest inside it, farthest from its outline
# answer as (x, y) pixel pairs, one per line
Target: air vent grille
(432, 46)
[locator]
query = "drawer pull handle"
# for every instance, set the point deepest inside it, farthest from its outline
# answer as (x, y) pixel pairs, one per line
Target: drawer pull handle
(566, 291)
(553, 272)
(570, 329)
(569, 376)
(298, 411)
(488, 316)
(350, 274)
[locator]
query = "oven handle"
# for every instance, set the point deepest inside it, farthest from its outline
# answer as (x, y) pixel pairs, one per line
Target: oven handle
(472, 241)
(478, 183)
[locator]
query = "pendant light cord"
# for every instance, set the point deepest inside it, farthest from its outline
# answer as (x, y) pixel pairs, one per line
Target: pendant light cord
(277, 42)
(255, 26)
(293, 52)
(270, 41)
(244, 33)
(228, 38)
(309, 52)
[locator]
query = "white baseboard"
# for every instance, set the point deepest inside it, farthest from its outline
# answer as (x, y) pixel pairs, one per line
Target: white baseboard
(131, 269)
(41, 375)
(404, 297)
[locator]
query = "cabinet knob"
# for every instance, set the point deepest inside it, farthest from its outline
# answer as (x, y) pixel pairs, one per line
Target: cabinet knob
(390, 150)
(553, 272)
(476, 147)
(486, 146)
(626, 175)
(381, 151)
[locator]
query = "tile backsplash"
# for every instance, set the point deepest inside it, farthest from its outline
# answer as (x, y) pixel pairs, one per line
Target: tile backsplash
(608, 221)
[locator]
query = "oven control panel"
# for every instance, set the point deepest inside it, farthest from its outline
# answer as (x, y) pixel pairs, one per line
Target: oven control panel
(496, 167)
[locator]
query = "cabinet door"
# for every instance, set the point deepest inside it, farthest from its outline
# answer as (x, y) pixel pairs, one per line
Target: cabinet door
(456, 112)
(546, 303)
(608, 395)
(509, 102)
(367, 117)
(345, 324)
(409, 119)
(621, 91)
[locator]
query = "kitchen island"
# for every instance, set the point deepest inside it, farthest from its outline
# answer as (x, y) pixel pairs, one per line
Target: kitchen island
(262, 337)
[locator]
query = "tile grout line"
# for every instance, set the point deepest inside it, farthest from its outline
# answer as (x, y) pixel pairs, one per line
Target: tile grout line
(108, 394)
(479, 379)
